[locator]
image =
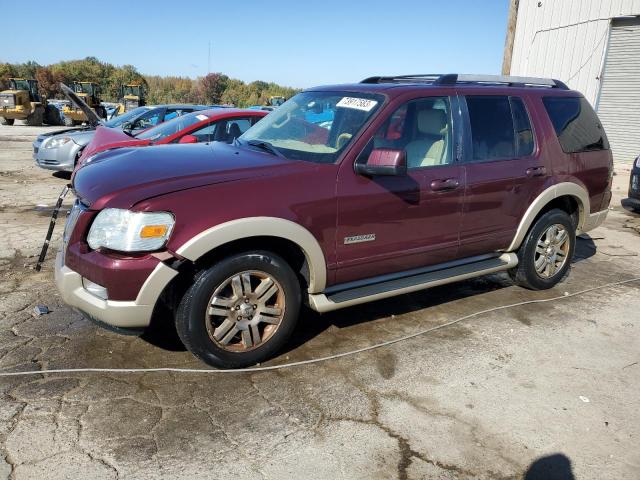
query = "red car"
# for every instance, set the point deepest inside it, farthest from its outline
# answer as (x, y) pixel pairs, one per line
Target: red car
(416, 181)
(217, 124)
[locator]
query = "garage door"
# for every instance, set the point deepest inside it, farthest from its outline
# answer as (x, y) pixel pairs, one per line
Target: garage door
(619, 102)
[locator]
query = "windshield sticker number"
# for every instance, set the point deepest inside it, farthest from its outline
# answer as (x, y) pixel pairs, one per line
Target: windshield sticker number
(363, 104)
(201, 117)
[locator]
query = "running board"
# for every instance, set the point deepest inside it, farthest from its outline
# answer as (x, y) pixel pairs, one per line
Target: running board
(354, 296)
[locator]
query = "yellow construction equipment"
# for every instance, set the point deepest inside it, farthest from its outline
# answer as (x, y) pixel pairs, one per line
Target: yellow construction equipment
(23, 102)
(90, 93)
(132, 95)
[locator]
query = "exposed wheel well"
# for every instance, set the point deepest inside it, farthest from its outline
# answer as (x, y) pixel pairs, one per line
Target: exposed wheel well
(567, 203)
(188, 270)
(288, 250)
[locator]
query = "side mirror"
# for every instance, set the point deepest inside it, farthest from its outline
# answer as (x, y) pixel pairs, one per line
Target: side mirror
(384, 161)
(188, 139)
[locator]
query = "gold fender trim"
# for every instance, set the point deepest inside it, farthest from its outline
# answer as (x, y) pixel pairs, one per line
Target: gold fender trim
(243, 228)
(551, 193)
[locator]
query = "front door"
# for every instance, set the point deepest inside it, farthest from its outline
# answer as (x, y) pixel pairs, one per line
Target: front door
(391, 224)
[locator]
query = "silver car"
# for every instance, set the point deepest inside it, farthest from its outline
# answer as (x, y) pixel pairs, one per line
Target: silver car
(61, 149)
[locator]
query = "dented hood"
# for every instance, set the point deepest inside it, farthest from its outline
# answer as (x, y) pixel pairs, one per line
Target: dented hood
(92, 117)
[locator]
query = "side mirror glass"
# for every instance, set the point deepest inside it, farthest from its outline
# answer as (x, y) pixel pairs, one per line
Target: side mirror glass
(384, 161)
(189, 139)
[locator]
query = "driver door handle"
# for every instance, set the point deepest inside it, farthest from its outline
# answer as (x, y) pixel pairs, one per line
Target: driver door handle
(445, 185)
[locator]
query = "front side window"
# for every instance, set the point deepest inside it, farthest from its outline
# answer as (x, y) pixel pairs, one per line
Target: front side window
(314, 126)
(576, 124)
(422, 128)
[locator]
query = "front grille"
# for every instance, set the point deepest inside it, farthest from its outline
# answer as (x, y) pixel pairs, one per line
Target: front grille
(50, 162)
(7, 100)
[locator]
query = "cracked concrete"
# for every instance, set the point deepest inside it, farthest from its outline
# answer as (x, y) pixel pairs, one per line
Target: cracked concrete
(484, 399)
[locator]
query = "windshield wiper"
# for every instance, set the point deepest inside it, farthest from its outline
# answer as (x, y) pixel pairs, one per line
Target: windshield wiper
(266, 146)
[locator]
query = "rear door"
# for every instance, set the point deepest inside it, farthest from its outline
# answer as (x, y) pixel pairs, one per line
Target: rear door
(504, 170)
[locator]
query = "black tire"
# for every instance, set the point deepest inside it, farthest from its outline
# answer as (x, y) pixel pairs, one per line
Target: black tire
(68, 122)
(52, 115)
(525, 273)
(35, 119)
(6, 121)
(192, 320)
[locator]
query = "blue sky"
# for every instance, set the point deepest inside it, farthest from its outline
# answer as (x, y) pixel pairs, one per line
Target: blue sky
(296, 43)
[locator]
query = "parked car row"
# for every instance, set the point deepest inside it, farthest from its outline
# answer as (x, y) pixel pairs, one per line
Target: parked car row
(342, 195)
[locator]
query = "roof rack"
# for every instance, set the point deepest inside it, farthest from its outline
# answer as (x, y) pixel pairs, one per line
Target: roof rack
(456, 79)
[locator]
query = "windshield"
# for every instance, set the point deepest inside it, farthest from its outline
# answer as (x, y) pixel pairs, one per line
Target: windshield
(133, 90)
(172, 126)
(21, 85)
(314, 126)
(125, 117)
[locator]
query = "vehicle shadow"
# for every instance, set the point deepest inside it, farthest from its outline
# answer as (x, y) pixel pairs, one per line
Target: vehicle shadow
(63, 175)
(162, 332)
(551, 467)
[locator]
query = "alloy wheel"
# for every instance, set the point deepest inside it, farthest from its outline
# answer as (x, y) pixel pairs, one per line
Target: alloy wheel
(552, 251)
(245, 311)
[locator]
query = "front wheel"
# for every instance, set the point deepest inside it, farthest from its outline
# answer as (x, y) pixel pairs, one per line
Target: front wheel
(6, 121)
(241, 311)
(545, 255)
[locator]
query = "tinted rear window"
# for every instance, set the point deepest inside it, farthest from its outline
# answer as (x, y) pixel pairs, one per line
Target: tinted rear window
(576, 124)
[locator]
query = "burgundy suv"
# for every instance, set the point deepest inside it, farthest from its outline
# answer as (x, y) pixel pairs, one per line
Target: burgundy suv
(343, 195)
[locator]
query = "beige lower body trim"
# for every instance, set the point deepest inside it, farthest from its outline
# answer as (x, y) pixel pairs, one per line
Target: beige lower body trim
(321, 303)
(124, 314)
(593, 220)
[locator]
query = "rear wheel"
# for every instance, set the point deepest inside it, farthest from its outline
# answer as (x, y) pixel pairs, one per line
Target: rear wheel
(6, 121)
(544, 257)
(241, 311)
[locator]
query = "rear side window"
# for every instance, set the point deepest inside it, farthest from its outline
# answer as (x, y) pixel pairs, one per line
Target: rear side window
(522, 127)
(500, 127)
(576, 124)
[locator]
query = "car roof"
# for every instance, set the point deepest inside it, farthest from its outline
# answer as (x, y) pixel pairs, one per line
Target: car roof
(230, 112)
(180, 105)
(395, 85)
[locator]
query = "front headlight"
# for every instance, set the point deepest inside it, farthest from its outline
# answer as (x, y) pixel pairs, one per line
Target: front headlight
(128, 231)
(57, 142)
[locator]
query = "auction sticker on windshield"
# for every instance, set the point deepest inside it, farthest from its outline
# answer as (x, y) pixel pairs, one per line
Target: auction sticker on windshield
(201, 117)
(363, 104)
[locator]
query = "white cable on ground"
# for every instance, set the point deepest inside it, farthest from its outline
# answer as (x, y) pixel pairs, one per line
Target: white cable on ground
(314, 360)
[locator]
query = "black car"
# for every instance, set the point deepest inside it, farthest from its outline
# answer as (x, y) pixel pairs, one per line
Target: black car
(634, 186)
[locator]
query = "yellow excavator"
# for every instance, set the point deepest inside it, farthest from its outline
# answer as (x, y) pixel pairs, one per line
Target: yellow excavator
(90, 93)
(132, 95)
(23, 102)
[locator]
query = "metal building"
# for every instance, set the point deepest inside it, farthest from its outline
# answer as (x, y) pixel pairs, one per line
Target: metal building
(594, 47)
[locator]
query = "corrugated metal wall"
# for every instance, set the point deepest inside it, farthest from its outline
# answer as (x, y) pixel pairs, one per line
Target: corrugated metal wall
(566, 39)
(619, 99)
